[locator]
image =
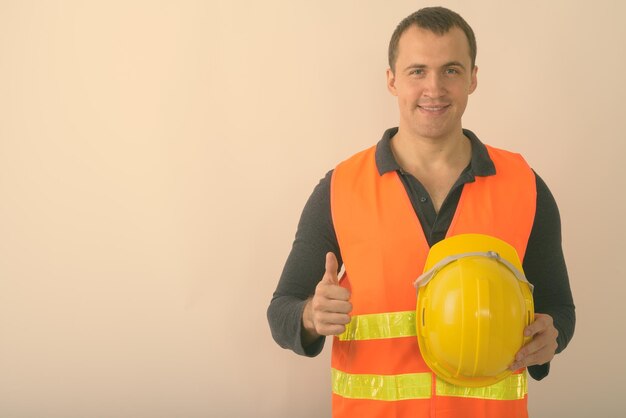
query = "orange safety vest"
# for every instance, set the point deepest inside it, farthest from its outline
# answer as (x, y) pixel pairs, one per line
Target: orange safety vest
(377, 368)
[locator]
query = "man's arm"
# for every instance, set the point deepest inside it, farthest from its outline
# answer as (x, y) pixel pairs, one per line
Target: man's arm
(544, 266)
(304, 269)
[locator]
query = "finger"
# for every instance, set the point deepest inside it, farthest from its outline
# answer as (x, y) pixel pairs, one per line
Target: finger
(332, 324)
(521, 357)
(539, 350)
(540, 323)
(332, 291)
(538, 357)
(331, 268)
(544, 355)
(331, 329)
(329, 319)
(538, 342)
(332, 306)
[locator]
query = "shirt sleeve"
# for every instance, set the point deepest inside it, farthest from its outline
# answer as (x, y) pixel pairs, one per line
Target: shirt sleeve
(544, 266)
(303, 270)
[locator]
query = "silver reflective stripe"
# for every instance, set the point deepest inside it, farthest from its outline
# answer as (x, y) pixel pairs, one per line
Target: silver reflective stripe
(401, 387)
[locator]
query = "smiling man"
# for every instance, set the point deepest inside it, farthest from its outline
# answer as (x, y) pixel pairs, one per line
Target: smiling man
(379, 212)
(432, 76)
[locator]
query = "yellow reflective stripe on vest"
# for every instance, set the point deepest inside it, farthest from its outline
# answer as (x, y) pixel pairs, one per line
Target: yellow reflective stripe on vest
(512, 387)
(382, 388)
(418, 386)
(379, 326)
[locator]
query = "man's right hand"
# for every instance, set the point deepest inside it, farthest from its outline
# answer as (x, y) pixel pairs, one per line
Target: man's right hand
(327, 312)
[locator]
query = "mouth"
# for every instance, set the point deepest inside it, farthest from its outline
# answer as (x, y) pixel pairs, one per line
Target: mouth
(434, 109)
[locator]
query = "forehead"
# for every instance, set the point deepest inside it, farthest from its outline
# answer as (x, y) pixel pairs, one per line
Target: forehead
(421, 46)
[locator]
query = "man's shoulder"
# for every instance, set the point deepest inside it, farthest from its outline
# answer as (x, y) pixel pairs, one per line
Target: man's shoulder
(359, 156)
(501, 156)
(379, 155)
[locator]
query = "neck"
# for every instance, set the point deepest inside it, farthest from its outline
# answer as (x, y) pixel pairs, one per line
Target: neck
(417, 153)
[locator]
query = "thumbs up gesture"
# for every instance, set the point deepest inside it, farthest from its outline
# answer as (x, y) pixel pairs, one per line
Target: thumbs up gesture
(327, 312)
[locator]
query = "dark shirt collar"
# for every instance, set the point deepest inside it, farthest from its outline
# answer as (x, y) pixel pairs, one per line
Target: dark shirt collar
(480, 164)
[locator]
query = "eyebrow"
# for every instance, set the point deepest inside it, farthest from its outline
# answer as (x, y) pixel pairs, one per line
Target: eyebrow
(447, 64)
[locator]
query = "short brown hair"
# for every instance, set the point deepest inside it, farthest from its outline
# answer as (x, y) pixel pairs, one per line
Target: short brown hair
(438, 20)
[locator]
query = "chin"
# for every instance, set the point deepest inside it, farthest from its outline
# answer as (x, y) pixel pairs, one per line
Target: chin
(432, 133)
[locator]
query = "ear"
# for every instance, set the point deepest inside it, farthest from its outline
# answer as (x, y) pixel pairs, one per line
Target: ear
(474, 81)
(391, 82)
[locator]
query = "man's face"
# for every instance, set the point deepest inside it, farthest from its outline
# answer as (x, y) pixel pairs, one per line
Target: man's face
(432, 81)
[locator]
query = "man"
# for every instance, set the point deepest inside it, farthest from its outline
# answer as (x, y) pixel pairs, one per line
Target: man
(378, 213)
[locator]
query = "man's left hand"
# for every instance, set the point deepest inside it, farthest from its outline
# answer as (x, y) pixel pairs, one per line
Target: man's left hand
(542, 347)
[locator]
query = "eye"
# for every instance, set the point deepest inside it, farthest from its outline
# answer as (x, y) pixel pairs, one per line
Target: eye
(451, 71)
(417, 71)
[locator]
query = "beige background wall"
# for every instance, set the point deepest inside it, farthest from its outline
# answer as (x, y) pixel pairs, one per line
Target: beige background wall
(155, 157)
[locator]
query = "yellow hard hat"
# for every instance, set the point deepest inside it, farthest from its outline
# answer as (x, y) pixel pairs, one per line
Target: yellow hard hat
(473, 304)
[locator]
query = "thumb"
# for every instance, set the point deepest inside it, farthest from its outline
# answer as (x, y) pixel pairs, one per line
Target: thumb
(331, 268)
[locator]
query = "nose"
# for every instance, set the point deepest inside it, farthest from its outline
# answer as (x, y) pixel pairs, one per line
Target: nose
(435, 85)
